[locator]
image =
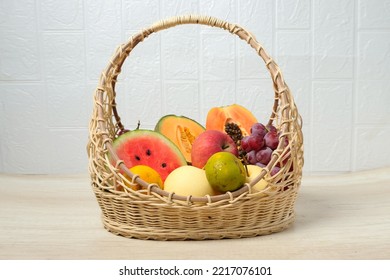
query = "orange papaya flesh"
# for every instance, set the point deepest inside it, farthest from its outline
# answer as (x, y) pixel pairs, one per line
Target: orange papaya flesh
(218, 117)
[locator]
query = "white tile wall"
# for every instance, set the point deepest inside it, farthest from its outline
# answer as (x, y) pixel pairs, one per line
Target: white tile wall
(335, 56)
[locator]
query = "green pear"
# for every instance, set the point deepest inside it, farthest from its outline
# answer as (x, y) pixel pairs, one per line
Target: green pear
(225, 172)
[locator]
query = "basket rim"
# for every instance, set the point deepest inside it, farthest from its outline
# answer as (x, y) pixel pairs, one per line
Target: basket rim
(108, 80)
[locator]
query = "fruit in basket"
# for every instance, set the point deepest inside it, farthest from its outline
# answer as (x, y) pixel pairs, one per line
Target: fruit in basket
(147, 147)
(271, 139)
(260, 145)
(259, 129)
(225, 172)
(264, 155)
(254, 171)
(208, 143)
(146, 173)
(188, 180)
(218, 117)
(180, 130)
(252, 143)
(275, 170)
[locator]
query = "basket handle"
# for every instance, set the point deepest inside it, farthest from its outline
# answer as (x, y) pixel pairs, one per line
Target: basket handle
(109, 76)
(116, 62)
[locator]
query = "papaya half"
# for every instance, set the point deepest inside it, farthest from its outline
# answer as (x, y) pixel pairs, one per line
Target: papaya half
(218, 117)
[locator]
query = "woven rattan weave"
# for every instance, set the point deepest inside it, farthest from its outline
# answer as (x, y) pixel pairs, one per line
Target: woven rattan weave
(156, 214)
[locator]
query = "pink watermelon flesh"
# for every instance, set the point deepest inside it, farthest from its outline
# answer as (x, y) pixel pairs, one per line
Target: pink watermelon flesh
(149, 148)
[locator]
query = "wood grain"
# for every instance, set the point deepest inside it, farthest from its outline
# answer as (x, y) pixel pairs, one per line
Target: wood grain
(57, 217)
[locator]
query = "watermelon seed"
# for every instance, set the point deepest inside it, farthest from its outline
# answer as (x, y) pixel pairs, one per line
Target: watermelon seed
(164, 165)
(148, 152)
(137, 158)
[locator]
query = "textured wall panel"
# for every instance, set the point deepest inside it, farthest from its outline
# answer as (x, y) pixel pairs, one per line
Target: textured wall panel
(333, 39)
(334, 55)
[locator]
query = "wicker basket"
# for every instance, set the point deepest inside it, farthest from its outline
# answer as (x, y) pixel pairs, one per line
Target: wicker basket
(157, 214)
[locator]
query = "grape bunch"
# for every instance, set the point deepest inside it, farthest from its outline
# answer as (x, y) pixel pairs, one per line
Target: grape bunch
(259, 145)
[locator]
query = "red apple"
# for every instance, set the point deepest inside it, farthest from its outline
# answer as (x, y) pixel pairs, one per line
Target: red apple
(208, 143)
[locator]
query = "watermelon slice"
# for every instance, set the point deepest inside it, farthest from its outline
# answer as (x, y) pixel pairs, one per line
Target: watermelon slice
(149, 148)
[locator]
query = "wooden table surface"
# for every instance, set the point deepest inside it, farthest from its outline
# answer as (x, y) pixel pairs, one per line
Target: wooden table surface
(57, 217)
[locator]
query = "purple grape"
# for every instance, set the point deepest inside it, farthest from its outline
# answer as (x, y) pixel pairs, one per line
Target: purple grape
(270, 127)
(264, 155)
(271, 139)
(252, 143)
(245, 144)
(258, 129)
(260, 164)
(275, 170)
(285, 141)
(251, 157)
(256, 142)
